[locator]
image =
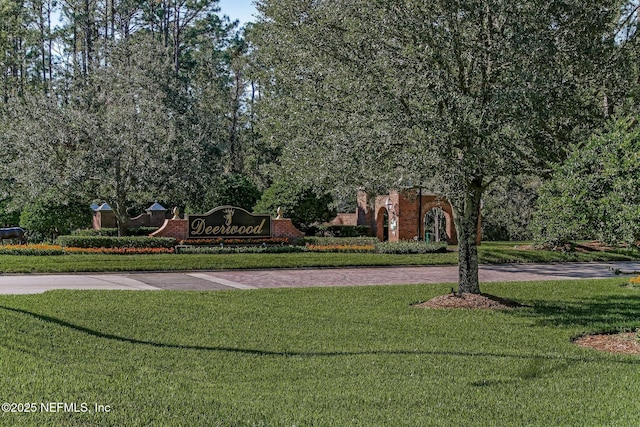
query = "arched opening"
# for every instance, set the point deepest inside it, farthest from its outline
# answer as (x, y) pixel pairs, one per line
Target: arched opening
(435, 226)
(383, 225)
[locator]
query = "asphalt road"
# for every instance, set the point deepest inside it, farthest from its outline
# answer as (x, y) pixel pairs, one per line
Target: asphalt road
(262, 279)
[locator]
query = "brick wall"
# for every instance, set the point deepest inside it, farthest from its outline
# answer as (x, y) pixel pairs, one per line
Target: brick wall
(285, 228)
(107, 219)
(104, 219)
(345, 219)
(178, 228)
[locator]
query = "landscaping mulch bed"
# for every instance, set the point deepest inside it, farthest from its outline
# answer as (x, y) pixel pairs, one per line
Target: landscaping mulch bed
(623, 342)
(472, 301)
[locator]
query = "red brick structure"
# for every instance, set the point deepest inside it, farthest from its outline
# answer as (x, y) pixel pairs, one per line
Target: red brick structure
(285, 228)
(179, 228)
(345, 219)
(154, 216)
(103, 217)
(400, 215)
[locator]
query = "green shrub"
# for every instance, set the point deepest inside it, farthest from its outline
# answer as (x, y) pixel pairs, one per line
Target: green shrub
(93, 232)
(116, 242)
(113, 232)
(345, 230)
(33, 251)
(304, 207)
(410, 247)
(51, 218)
(345, 241)
(9, 216)
(217, 241)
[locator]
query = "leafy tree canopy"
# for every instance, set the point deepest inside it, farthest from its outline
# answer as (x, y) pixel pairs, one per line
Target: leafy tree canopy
(508, 207)
(594, 193)
(301, 204)
(50, 217)
(234, 190)
(451, 95)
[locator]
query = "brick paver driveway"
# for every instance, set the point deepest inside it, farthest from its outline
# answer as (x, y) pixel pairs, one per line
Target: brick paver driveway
(257, 279)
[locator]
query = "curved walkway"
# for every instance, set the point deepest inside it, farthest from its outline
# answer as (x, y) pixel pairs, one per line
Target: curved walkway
(260, 279)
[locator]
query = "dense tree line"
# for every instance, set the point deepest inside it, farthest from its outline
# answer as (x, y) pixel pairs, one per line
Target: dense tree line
(594, 193)
(125, 102)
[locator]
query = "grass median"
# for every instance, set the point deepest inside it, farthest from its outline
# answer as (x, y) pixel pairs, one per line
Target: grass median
(490, 252)
(360, 356)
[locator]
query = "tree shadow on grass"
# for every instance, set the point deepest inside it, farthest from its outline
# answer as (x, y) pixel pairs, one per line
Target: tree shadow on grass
(615, 312)
(257, 352)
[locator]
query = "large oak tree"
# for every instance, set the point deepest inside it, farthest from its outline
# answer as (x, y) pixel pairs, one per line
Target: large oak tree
(449, 94)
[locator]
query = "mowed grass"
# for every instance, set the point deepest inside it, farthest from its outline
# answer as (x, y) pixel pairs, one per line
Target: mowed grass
(489, 252)
(173, 262)
(355, 356)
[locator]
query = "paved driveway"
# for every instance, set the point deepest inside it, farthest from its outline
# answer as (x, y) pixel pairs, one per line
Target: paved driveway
(258, 279)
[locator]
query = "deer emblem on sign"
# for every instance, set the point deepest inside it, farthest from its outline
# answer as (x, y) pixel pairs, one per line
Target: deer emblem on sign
(228, 216)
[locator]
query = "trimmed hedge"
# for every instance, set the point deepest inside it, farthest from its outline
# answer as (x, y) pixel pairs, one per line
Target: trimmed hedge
(32, 250)
(116, 242)
(341, 241)
(342, 248)
(410, 247)
(113, 232)
(345, 230)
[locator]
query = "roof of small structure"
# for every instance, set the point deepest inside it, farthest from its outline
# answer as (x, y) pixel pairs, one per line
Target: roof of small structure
(94, 206)
(104, 207)
(156, 207)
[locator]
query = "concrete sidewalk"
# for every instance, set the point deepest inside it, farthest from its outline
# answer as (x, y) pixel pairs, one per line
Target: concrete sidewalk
(261, 279)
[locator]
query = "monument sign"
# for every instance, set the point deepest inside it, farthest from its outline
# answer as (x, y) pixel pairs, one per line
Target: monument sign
(228, 222)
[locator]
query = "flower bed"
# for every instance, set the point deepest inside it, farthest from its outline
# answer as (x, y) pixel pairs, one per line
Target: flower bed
(124, 251)
(220, 241)
(43, 249)
(239, 249)
(342, 248)
(157, 245)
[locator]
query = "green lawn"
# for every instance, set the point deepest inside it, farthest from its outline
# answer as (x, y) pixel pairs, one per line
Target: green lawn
(490, 252)
(359, 356)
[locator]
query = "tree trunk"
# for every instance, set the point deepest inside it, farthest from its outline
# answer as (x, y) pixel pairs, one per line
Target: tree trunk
(120, 203)
(50, 44)
(122, 218)
(467, 215)
(235, 149)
